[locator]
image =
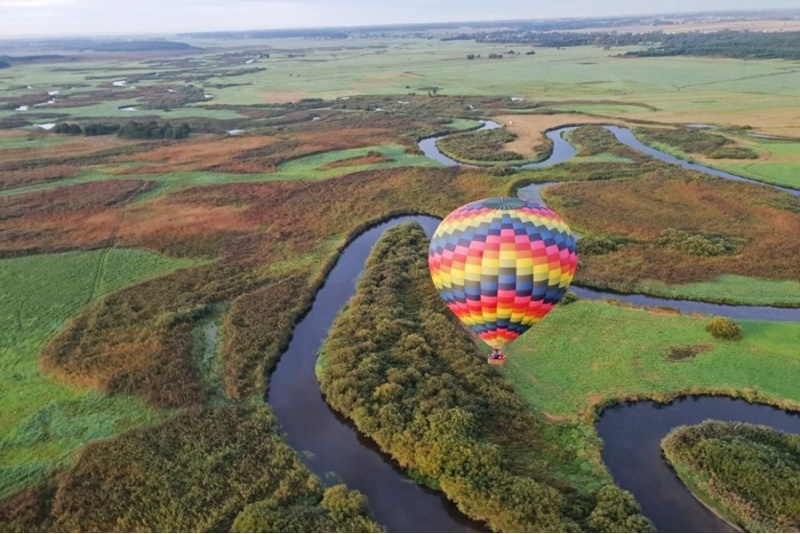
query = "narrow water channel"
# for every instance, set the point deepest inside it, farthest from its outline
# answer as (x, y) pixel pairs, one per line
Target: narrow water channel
(335, 451)
(632, 434)
(332, 445)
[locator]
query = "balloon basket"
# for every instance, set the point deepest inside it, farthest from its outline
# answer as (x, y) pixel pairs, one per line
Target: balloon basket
(496, 361)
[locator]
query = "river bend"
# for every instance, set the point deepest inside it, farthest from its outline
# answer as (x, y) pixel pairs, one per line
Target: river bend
(335, 451)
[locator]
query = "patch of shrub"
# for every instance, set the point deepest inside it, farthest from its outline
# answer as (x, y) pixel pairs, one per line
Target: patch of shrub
(199, 472)
(734, 152)
(695, 244)
(598, 245)
(751, 472)
(568, 298)
(689, 140)
(501, 170)
(724, 328)
(340, 511)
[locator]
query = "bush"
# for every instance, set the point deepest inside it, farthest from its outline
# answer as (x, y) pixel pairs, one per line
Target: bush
(597, 245)
(568, 298)
(695, 244)
(750, 472)
(734, 152)
(723, 328)
(485, 145)
(340, 511)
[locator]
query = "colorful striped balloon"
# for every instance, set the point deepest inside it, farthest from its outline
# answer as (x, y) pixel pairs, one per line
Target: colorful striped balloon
(501, 264)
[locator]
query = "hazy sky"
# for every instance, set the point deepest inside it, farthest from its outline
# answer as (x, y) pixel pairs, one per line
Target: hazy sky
(105, 17)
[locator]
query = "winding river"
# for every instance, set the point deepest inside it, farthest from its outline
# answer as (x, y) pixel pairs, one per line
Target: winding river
(335, 451)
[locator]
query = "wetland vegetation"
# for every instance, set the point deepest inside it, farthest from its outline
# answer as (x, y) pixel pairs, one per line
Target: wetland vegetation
(118, 251)
(747, 472)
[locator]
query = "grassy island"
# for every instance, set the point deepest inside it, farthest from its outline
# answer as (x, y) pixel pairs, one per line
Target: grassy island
(749, 474)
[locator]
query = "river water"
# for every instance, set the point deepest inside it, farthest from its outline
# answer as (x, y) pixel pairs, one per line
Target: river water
(335, 451)
(334, 445)
(632, 434)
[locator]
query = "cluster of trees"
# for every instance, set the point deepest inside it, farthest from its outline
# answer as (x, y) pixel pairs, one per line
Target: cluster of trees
(143, 45)
(207, 470)
(735, 44)
(559, 39)
(724, 328)
(128, 130)
(399, 367)
(153, 130)
(91, 129)
(696, 244)
(753, 472)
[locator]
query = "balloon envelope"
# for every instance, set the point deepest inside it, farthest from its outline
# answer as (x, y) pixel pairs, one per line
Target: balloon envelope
(501, 264)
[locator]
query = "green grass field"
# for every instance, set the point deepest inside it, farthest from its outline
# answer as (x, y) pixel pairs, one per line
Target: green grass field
(31, 141)
(590, 352)
(729, 289)
(779, 163)
(780, 166)
(42, 422)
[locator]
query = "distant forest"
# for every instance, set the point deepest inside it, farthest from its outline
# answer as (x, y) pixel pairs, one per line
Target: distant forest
(733, 44)
(747, 45)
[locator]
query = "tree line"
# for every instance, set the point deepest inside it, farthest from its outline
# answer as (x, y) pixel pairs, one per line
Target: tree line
(727, 43)
(733, 44)
(128, 130)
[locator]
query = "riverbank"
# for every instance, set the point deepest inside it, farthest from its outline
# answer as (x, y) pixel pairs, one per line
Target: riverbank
(620, 143)
(588, 355)
(410, 379)
(747, 472)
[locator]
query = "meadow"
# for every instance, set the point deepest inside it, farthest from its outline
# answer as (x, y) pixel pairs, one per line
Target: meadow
(150, 286)
(44, 422)
(588, 354)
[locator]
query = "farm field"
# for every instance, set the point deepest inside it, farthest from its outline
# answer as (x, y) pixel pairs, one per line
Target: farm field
(151, 282)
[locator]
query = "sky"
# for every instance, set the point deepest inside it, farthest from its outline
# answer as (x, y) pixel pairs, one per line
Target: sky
(30, 18)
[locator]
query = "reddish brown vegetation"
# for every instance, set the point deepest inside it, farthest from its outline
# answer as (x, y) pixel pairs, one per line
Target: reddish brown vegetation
(138, 340)
(81, 216)
(36, 175)
(75, 146)
(766, 222)
(194, 155)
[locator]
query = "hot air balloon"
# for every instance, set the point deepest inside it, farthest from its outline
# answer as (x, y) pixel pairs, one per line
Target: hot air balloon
(501, 265)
